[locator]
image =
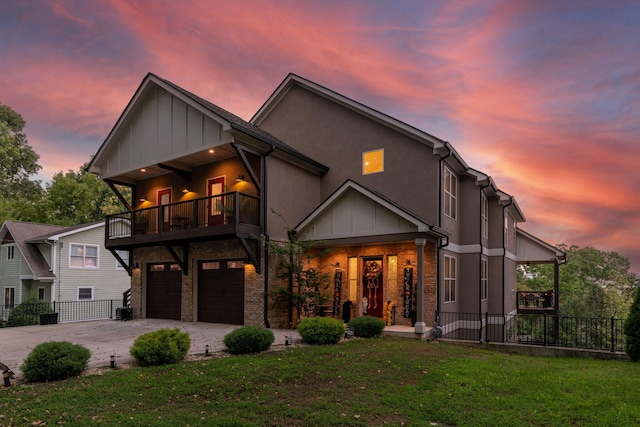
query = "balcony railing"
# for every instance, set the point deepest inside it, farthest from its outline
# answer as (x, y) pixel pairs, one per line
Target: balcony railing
(536, 302)
(185, 219)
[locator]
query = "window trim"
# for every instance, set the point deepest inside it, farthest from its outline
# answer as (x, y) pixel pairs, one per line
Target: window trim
(484, 213)
(451, 195)
(450, 279)
(84, 299)
(12, 303)
(484, 279)
(84, 257)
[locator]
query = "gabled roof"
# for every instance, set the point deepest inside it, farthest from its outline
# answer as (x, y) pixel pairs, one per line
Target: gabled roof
(22, 232)
(227, 119)
(440, 147)
(532, 250)
(28, 234)
(294, 80)
(412, 222)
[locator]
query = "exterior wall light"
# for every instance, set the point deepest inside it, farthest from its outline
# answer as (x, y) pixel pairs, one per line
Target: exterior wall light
(240, 178)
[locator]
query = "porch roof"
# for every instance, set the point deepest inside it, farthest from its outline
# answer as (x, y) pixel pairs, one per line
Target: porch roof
(354, 211)
(533, 250)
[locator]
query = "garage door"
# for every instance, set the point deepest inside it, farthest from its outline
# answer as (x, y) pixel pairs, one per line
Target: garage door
(164, 291)
(221, 291)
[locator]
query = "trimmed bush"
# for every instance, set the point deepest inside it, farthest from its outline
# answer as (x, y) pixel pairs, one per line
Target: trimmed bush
(367, 326)
(161, 347)
(632, 329)
(55, 360)
(321, 330)
(249, 339)
(28, 313)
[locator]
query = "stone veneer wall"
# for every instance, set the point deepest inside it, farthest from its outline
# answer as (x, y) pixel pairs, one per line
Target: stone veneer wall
(225, 249)
(404, 251)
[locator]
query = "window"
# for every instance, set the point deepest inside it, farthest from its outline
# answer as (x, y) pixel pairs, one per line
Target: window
(449, 279)
(485, 216)
(484, 279)
(85, 294)
(373, 161)
(450, 194)
(41, 293)
(11, 253)
(125, 257)
(83, 256)
(353, 278)
(9, 297)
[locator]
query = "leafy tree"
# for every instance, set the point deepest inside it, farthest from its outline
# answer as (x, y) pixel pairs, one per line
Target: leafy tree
(80, 197)
(593, 283)
(18, 161)
(632, 329)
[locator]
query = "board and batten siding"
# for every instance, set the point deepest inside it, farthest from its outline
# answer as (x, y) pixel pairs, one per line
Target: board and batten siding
(10, 271)
(107, 281)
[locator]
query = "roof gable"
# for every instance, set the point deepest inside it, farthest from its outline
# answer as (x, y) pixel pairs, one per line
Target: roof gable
(531, 249)
(355, 211)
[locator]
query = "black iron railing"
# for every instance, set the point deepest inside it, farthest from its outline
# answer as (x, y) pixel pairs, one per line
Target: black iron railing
(65, 311)
(227, 208)
(532, 300)
(537, 329)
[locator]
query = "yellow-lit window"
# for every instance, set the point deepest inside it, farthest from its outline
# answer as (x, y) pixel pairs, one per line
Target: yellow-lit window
(373, 161)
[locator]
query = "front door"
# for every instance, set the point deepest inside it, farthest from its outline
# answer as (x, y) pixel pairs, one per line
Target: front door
(215, 187)
(372, 292)
(164, 198)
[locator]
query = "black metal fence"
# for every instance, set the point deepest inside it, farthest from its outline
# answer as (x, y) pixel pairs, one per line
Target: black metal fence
(60, 312)
(536, 329)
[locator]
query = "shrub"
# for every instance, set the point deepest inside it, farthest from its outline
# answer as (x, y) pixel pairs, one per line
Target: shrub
(632, 329)
(248, 339)
(160, 347)
(366, 326)
(28, 313)
(321, 330)
(55, 360)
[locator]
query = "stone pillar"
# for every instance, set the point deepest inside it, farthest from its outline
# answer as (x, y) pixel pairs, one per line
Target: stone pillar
(420, 326)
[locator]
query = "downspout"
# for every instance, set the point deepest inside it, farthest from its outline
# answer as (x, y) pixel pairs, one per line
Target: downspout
(440, 246)
(266, 238)
(504, 248)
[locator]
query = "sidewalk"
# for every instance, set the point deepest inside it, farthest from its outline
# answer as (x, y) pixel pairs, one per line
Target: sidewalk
(110, 337)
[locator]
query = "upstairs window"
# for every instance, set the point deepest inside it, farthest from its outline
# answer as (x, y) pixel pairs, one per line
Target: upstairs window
(11, 253)
(83, 256)
(373, 161)
(125, 257)
(450, 194)
(485, 217)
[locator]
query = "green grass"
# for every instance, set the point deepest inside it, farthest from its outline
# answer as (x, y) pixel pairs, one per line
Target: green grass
(356, 383)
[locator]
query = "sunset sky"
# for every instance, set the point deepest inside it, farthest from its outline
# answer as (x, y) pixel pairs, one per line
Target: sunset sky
(544, 96)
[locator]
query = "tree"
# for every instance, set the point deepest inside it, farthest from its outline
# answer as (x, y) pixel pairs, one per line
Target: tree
(593, 283)
(632, 329)
(80, 197)
(18, 161)
(306, 282)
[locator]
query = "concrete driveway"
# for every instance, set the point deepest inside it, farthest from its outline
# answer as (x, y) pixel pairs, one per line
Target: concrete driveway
(106, 337)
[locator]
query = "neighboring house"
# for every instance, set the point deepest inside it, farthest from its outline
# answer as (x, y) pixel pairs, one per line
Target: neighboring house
(409, 222)
(58, 263)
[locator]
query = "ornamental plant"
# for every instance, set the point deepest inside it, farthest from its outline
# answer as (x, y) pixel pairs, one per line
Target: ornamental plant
(321, 330)
(55, 360)
(161, 347)
(28, 313)
(248, 339)
(632, 329)
(367, 326)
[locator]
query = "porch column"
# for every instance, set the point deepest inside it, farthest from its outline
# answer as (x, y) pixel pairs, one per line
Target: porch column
(420, 326)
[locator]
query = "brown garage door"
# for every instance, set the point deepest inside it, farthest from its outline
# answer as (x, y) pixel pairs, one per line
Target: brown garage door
(221, 291)
(164, 296)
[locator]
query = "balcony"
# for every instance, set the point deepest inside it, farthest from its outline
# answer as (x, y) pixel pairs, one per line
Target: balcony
(536, 302)
(208, 218)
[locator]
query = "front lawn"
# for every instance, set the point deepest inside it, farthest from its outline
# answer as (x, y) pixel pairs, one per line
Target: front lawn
(356, 383)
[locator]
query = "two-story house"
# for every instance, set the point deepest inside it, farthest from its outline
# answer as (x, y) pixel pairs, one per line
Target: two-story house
(57, 263)
(410, 224)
